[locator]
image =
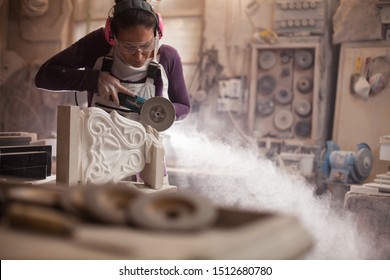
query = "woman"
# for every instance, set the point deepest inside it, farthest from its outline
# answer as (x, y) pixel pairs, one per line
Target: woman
(125, 56)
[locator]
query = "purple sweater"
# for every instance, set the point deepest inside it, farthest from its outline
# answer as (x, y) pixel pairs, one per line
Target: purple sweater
(71, 69)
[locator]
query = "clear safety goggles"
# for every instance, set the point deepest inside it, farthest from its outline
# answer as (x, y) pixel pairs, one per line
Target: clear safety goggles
(132, 48)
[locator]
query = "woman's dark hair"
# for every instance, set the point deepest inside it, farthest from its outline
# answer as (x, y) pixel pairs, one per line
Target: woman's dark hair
(132, 18)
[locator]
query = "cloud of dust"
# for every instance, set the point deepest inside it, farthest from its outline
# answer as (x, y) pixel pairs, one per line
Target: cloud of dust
(244, 179)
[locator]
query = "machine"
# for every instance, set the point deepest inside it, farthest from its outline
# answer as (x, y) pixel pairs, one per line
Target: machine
(346, 166)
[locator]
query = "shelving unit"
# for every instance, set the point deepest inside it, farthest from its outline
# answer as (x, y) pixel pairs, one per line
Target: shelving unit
(284, 90)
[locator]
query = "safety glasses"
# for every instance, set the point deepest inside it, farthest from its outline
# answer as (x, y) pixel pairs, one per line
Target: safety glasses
(132, 48)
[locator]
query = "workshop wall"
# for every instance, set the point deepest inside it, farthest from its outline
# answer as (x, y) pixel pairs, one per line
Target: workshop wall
(32, 34)
(215, 39)
(232, 30)
(34, 31)
(238, 55)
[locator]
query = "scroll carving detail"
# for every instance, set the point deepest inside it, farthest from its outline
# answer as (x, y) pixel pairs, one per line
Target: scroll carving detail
(113, 147)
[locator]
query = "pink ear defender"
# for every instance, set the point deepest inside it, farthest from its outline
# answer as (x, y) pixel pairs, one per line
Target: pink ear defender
(109, 35)
(160, 25)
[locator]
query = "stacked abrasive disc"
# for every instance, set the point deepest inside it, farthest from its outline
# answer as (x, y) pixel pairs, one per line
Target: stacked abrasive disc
(285, 90)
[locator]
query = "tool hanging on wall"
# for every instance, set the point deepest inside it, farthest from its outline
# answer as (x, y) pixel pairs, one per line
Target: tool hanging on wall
(362, 86)
(356, 74)
(302, 128)
(379, 73)
(303, 108)
(206, 77)
(266, 84)
(283, 120)
(374, 77)
(265, 108)
(305, 85)
(284, 96)
(267, 59)
(304, 59)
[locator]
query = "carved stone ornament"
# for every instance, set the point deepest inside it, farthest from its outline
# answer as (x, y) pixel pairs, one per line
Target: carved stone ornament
(34, 8)
(112, 148)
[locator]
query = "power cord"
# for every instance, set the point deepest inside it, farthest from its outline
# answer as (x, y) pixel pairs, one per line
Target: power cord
(75, 98)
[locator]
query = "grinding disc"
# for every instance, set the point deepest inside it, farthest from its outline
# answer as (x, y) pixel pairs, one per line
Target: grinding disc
(286, 72)
(267, 59)
(284, 96)
(40, 219)
(303, 108)
(283, 120)
(303, 128)
(108, 204)
(363, 163)
(266, 84)
(285, 56)
(265, 107)
(73, 201)
(303, 59)
(172, 212)
(158, 112)
(38, 195)
(305, 85)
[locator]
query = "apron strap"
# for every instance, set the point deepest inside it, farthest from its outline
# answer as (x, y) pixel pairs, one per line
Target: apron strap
(108, 60)
(152, 71)
(153, 67)
(107, 63)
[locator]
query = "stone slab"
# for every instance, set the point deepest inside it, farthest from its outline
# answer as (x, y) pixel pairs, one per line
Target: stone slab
(68, 142)
(31, 148)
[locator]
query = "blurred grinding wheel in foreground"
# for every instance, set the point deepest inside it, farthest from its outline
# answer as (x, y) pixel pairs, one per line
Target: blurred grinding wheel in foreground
(172, 211)
(113, 222)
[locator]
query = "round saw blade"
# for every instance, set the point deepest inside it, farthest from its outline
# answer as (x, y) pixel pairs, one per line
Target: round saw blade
(158, 112)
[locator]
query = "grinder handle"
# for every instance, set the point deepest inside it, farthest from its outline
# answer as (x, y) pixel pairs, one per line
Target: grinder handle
(131, 102)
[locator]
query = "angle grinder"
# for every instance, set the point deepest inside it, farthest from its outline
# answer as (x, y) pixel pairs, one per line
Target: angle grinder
(158, 111)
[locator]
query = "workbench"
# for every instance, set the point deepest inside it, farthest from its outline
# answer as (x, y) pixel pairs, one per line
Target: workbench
(371, 208)
(101, 222)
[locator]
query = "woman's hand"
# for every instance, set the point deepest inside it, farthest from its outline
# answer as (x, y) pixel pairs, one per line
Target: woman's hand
(109, 86)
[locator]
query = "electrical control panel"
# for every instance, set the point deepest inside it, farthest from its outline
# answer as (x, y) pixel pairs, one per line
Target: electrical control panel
(283, 101)
(230, 97)
(295, 16)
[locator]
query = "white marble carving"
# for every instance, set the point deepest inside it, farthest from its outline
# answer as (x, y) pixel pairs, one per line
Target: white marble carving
(112, 148)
